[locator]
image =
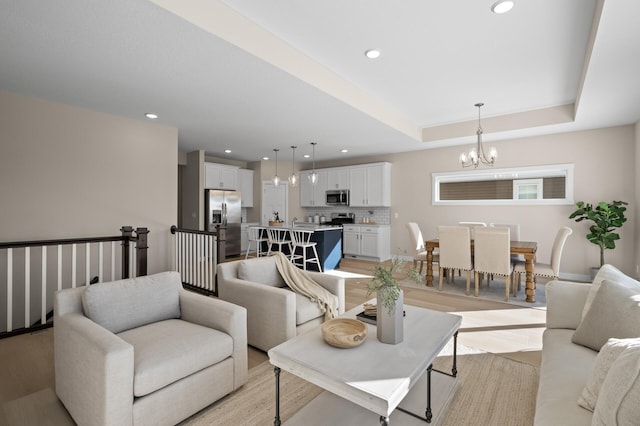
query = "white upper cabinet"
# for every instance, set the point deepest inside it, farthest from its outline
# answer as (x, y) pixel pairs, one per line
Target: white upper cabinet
(338, 178)
(220, 176)
(245, 186)
(313, 195)
(370, 185)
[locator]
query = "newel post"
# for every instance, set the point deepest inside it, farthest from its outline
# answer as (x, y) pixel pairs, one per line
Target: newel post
(127, 235)
(141, 251)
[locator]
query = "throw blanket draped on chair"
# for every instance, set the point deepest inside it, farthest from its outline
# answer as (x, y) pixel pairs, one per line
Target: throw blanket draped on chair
(300, 282)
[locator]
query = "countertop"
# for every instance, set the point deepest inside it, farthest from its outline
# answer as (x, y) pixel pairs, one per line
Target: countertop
(309, 226)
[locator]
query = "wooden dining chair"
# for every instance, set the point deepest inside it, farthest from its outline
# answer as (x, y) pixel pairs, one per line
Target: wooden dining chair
(551, 269)
(492, 256)
(455, 251)
(417, 244)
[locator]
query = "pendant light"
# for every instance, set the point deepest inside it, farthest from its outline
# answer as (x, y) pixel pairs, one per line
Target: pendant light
(293, 178)
(313, 176)
(276, 179)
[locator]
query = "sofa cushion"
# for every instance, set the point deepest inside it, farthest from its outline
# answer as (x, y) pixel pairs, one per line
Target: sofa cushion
(609, 273)
(606, 357)
(306, 310)
(125, 304)
(615, 312)
(261, 270)
(167, 351)
(563, 375)
(619, 400)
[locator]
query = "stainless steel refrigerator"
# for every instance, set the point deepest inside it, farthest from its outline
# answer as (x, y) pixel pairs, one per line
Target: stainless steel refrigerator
(223, 207)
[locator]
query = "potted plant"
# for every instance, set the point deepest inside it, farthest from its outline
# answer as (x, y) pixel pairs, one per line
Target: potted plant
(389, 310)
(606, 218)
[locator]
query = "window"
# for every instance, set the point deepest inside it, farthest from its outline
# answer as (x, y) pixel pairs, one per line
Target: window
(551, 184)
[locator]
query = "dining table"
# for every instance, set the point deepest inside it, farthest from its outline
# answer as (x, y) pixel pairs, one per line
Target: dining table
(525, 248)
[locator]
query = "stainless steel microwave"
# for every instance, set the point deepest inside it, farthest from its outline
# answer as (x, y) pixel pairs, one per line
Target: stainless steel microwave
(337, 197)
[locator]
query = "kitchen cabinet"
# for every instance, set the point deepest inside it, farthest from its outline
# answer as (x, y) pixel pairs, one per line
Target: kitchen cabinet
(338, 178)
(220, 176)
(370, 185)
(245, 186)
(368, 242)
(313, 195)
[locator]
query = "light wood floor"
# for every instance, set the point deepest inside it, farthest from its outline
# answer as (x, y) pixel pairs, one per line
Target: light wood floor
(507, 330)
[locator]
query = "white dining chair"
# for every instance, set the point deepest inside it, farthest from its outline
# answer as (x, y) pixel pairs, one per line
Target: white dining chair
(301, 239)
(514, 228)
(551, 269)
(491, 256)
(472, 226)
(256, 235)
(417, 244)
(455, 251)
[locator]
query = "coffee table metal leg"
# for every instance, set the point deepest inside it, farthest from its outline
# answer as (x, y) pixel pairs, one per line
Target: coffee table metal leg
(454, 370)
(384, 421)
(276, 420)
(428, 414)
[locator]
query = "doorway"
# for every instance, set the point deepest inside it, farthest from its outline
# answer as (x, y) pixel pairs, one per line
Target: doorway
(274, 199)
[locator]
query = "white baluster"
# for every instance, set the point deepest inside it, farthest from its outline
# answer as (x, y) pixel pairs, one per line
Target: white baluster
(27, 286)
(9, 289)
(100, 262)
(73, 265)
(43, 306)
(59, 266)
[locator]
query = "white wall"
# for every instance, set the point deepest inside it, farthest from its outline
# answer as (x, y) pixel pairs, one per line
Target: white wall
(605, 167)
(71, 172)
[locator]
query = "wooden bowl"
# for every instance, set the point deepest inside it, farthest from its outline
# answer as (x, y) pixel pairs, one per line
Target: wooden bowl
(276, 223)
(344, 332)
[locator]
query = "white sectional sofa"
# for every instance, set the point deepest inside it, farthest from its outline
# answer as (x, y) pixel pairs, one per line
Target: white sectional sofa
(582, 315)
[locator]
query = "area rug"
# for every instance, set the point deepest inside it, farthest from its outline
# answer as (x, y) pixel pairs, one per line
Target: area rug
(492, 391)
(494, 292)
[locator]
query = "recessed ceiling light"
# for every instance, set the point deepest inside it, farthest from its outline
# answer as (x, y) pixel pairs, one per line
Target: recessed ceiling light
(265, 158)
(502, 6)
(227, 151)
(151, 115)
(306, 156)
(372, 54)
(344, 150)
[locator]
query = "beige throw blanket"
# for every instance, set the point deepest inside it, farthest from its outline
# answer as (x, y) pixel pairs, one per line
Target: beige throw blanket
(300, 282)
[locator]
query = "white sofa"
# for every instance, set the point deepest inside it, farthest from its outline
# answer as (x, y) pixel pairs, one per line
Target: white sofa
(568, 367)
(144, 351)
(275, 314)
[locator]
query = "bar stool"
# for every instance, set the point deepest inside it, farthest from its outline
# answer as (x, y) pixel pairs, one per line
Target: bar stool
(302, 239)
(279, 237)
(256, 235)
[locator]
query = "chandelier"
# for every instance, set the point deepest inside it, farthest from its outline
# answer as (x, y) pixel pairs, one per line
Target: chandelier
(476, 155)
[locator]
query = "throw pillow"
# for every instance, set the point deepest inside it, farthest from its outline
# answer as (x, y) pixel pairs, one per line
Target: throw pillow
(609, 273)
(619, 400)
(609, 353)
(615, 312)
(126, 304)
(261, 270)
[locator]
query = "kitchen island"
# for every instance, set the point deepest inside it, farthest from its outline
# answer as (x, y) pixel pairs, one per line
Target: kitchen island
(329, 243)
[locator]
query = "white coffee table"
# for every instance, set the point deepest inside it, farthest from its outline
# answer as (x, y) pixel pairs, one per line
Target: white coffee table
(375, 376)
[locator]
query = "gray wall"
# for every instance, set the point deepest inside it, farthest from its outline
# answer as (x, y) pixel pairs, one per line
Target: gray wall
(71, 172)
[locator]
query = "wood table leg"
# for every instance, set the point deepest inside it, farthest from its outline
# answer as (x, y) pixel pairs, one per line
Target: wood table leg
(530, 289)
(429, 276)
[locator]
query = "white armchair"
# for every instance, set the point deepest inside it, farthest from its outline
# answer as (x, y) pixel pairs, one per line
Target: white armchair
(144, 351)
(275, 314)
